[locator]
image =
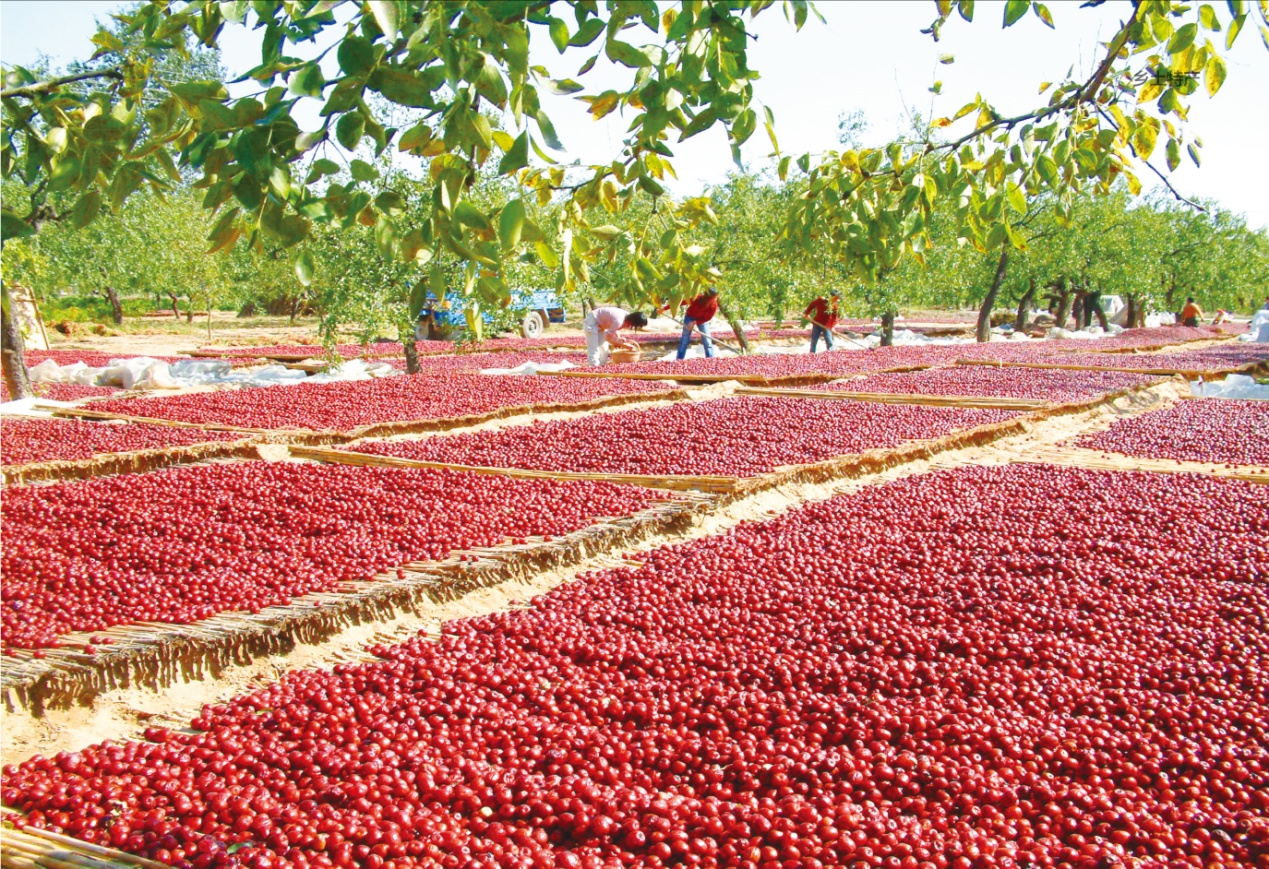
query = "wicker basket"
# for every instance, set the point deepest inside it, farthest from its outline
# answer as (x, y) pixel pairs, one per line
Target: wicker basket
(622, 356)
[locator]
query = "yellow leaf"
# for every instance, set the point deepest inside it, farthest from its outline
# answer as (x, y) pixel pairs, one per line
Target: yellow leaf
(1214, 75)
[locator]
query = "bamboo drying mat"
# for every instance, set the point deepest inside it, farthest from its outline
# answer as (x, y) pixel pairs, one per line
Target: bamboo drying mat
(133, 462)
(669, 375)
(155, 655)
(1189, 374)
(1098, 460)
(32, 848)
(85, 413)
(703, 483)
(385, 429)
(382, 429)
(1158, 348)
(963, 401)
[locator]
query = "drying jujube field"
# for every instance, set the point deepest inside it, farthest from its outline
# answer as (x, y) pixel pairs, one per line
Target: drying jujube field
(425, 446)
(864, 608)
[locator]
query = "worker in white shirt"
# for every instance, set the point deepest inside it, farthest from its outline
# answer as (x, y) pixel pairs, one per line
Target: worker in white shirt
(603, 326)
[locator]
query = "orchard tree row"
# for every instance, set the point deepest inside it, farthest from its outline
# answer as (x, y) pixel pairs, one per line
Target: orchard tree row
(424, 78)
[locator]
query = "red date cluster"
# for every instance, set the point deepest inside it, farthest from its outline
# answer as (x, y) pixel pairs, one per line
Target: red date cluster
(65, 391)
(179, 546)
(44, 440)
(835, 363)
(992, 667)
(1207, 430)
(729, 436)
(1216, 358)
(980, 380)
(346, 405)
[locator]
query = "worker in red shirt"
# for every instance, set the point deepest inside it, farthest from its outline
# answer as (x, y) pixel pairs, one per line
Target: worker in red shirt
(823, 317)
(699, 313)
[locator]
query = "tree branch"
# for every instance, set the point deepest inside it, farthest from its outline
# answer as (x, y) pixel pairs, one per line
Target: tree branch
(1148, 165)
(44, 87)
(1081, 94)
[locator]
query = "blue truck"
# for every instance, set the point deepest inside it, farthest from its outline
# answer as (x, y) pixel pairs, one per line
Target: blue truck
(440, 321)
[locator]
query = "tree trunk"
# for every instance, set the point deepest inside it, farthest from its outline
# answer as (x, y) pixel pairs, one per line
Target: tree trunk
(1093, 308)
(735, 327)
(14, 353)
(1020, 321)
(176, 311)
(1130, 316)
(295, 309)
(1064, 305)
(406, 331)
(116, 308)
(887, 328)
(1172, 295)
(983, 333)
(1077, 309)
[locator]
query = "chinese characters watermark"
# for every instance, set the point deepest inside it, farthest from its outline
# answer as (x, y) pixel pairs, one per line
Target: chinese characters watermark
(1162, 77)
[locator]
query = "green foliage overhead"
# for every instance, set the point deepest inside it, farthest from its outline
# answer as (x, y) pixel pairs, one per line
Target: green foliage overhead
(438, 80)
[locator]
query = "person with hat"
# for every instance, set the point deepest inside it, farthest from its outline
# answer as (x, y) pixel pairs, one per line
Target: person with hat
(823, 317)
(701, 310)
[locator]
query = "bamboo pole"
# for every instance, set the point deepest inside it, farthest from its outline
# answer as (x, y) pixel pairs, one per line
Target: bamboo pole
(1188, 373)
(703, 483)
(987, 402)
(1097, 460)
(40, 843)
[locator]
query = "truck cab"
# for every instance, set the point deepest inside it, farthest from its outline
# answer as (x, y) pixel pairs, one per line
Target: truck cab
(440, 320)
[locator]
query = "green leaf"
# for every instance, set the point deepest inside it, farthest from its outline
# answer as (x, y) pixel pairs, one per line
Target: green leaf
(947, 59)
(86, 209)
(307, 81)
(405, 88)
(1235, 27)
(586, 34)
(1173, 155)
(1017, 199)
(469, 215)
(626, 54)
(349, 129)
(1014, 10)
(363, 171)
(321, 168)
(1192, 150)
(415, 138)
(390, 203)
(547, 255)
(1144, 139)
(547, 129)
(1047, 168)
(1183, 38)
(304, 268)
(1214, 75)
(516, 157)
(12, 226)
(559, 34)
(356, 55)
(966, 9)
(385, 13)
(1042, 12)
(1207, 15)
(418, 296)
(511, 224)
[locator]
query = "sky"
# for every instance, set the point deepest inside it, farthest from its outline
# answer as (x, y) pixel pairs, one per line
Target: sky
(868, 56)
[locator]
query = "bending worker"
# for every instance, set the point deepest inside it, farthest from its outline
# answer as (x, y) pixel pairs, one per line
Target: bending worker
(699, 313)
(602, 327)
(1191, 313)
(823, 317)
